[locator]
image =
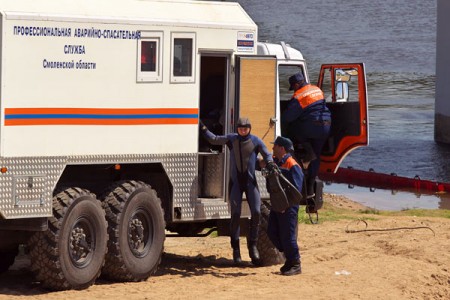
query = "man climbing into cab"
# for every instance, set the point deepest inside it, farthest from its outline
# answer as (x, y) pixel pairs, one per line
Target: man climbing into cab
(307, 121)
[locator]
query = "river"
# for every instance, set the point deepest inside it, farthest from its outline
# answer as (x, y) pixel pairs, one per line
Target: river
(396, 39)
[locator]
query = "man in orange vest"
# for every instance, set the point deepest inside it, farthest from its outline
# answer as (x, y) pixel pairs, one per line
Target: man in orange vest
(307, 121)
(282, 226)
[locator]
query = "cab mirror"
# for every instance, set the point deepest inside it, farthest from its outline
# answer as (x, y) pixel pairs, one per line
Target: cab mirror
(341, 91)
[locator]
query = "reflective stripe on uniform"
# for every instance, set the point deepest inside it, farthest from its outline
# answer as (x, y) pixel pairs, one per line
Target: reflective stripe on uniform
(308, 95)
(289, 163)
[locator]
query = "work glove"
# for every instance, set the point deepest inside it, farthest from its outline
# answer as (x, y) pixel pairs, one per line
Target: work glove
(271, 166)
(202, 125)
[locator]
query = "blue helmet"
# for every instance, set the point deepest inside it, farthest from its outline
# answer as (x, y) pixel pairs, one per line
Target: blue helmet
(296, 78)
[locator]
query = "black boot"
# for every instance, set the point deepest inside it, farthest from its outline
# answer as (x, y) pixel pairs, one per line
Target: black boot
(310, 190)
(291, 267)
(236, 252)
(254, 253)
(286, 266)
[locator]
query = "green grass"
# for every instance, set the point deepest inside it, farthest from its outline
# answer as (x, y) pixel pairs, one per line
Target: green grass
(330, 213)
(435, 213)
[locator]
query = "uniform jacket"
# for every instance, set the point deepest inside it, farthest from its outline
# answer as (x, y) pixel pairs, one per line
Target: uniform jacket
(307, 104)
(291, 170)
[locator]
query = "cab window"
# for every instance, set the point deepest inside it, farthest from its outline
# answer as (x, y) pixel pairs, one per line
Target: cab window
(346, 85)
(284, 72)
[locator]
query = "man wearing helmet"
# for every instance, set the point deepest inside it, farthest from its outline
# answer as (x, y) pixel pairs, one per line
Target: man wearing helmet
(244, 148)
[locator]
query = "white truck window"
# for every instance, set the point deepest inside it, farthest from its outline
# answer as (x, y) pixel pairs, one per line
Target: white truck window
(183, 59)
(149, 57)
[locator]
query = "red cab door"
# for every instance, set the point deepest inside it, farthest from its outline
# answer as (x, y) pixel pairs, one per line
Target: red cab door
(345, 89)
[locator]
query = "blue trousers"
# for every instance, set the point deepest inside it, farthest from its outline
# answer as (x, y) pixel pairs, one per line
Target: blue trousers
(316, 135)
(251, 191)
(282, 229)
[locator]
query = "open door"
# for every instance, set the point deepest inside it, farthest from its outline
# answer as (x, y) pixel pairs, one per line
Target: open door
(345, 87)
(256, 94)
(214, 69)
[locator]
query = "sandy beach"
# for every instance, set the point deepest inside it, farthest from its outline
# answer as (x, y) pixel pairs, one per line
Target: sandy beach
(393, 257)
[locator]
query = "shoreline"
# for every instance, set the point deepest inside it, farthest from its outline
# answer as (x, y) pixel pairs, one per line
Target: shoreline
(393, 200)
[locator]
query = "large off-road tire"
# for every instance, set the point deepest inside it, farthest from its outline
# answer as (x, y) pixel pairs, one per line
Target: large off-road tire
(71, 253)
(136, 231)
(267, 251)
(7, 257)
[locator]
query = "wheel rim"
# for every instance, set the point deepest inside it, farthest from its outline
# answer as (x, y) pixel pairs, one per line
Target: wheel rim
(140, 233)
(82, 242)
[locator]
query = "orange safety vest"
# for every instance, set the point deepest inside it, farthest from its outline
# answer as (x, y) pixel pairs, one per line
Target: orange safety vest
(308, 95)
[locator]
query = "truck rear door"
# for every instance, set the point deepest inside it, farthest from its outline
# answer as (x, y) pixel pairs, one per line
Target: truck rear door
(256, 85)
(345, 89)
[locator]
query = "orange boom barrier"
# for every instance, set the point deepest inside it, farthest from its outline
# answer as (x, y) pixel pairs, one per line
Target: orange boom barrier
(372, 179)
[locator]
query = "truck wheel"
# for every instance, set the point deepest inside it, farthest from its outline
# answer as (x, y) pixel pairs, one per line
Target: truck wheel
(267, 251)
(7, 257)
(136, 231)
(71, 253)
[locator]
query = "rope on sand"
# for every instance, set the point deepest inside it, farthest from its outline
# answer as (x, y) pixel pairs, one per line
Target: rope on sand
(383, 229)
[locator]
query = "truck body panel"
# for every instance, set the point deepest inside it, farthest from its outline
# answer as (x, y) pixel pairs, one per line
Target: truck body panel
(124, 83)
(72, 92)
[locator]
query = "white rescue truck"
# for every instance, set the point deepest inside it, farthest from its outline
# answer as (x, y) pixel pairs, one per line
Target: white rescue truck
(100, 152)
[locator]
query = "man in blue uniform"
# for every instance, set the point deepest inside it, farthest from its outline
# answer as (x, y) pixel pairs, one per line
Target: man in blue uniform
(307, 121)
(244, 148)
(282, 226)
